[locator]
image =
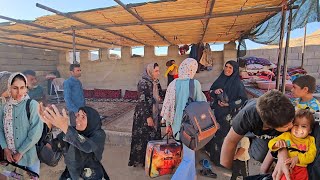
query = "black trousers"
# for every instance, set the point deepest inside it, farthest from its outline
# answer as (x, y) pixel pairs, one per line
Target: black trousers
(239, 168)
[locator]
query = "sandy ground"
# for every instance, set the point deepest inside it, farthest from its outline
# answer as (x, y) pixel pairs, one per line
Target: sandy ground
(115, 161)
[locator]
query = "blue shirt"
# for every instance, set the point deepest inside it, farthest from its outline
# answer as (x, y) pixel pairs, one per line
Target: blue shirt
(73, 94)
(36, 93)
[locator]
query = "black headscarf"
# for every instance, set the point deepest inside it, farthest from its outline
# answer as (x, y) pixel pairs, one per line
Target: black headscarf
(94, 121)
(231, 85)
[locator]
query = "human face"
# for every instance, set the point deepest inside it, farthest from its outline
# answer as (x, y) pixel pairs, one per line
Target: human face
(299, 92)
(81, 121)
(76, 72)
(228, 70)
(32, 81)
(18, 89)
(301, 127)
(285, 128)
(156, 72)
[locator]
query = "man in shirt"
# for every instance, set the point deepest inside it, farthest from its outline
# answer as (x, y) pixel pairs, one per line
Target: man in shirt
(35, 91)
(73, 93)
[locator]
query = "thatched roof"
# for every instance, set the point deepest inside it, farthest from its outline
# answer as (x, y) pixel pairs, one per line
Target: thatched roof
(158, 23)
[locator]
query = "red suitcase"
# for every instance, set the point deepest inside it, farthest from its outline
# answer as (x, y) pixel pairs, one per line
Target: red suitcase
(162, 157)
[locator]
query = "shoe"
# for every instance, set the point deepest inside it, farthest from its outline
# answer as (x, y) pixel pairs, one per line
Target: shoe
(208, 173)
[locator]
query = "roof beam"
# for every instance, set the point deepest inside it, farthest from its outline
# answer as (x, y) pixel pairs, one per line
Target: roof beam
(86, 22)
(47, 29)
(207, 20)
(37, 43)
(50, 39)
(12, 44)
(141, 20)
(185, 18)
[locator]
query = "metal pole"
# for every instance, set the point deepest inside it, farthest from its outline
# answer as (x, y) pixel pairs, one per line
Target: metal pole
(304, 45)
(285, 61)
(284, 11)
(74, 46)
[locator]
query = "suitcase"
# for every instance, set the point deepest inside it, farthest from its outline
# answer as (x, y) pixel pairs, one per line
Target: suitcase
(162, 157)
(12, 171)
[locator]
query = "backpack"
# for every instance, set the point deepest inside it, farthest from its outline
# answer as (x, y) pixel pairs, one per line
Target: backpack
(199, 124)
(45, 151)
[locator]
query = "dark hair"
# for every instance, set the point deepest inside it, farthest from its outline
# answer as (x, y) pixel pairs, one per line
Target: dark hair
(72, 66)
(168, 63)
(29, 72)
(20, 77)
(275, 109)
(155, 65)
(306, 81)
(305, 113)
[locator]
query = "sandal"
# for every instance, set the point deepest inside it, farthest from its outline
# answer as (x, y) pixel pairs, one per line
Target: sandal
(205, 163)
(208, 173)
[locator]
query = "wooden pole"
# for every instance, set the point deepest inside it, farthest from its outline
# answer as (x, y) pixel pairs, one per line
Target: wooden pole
(285, 61)
(304, 45)
(283, 20)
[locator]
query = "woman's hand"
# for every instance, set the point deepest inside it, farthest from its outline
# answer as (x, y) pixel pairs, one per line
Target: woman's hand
(8, 155)
(150, 122)
(169, 130)
(222, 104)
(41, 110)
(57, 119)
(17, 157)
(218, 91)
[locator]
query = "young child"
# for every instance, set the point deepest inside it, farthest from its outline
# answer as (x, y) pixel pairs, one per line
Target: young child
(241, 158)
(302, 90)
(266, 117)
(300, 145)
(172, 71)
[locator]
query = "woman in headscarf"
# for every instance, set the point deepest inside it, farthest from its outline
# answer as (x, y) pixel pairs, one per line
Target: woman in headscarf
(83, 145)
(174, 103)
(229, 95)
(146, 124)
(18, 132)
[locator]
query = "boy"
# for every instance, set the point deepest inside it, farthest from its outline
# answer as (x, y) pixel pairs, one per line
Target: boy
(300, 145)
(172, 71)
(265, 117)
(241, 158)
(302, 90)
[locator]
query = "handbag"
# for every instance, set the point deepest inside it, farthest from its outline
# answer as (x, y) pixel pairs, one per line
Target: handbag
(13, 171)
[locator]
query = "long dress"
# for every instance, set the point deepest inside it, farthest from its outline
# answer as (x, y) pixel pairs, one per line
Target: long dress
(141, 132)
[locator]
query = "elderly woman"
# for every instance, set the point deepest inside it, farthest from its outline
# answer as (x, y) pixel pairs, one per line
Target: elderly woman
(18, 132)
(146, 125)
(229, 95)
(83, 145)
(174, 103)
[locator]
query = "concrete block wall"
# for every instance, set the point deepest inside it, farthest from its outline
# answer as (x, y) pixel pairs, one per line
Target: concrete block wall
(126, 72)
(17, 59)
(311, 57)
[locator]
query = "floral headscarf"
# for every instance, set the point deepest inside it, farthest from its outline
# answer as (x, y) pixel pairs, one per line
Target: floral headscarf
(187, 70)
(8, 110)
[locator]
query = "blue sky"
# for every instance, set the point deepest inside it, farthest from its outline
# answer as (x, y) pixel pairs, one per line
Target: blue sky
(27, 10)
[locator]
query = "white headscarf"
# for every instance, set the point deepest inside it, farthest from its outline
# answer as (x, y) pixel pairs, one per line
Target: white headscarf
(8, 109)
(187, 70)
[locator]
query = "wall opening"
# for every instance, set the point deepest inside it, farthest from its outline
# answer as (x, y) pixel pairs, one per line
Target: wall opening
(161, 50)
(115, 53)
(70, 57)
(94, 55)
(137, 51)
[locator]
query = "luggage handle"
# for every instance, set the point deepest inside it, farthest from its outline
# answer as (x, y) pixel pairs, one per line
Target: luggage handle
(167, 135)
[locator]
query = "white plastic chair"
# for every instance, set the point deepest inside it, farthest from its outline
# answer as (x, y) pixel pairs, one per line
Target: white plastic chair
(57, 85)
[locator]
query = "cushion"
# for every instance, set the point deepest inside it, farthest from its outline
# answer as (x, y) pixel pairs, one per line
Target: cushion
(132, 95)
(88, 93)
(107, 93)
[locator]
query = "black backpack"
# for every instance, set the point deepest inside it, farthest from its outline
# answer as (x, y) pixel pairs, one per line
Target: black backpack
(45, 151)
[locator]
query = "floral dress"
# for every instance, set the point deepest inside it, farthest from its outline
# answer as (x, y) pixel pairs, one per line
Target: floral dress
(141, 132)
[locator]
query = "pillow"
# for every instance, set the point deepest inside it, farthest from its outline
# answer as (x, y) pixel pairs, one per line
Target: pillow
(132, 95)
(88, 93)
(107, 93)
(254, 67)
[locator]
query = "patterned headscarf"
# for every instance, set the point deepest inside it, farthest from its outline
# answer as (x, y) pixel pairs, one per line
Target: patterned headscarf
(187, 70)
(8, 110)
